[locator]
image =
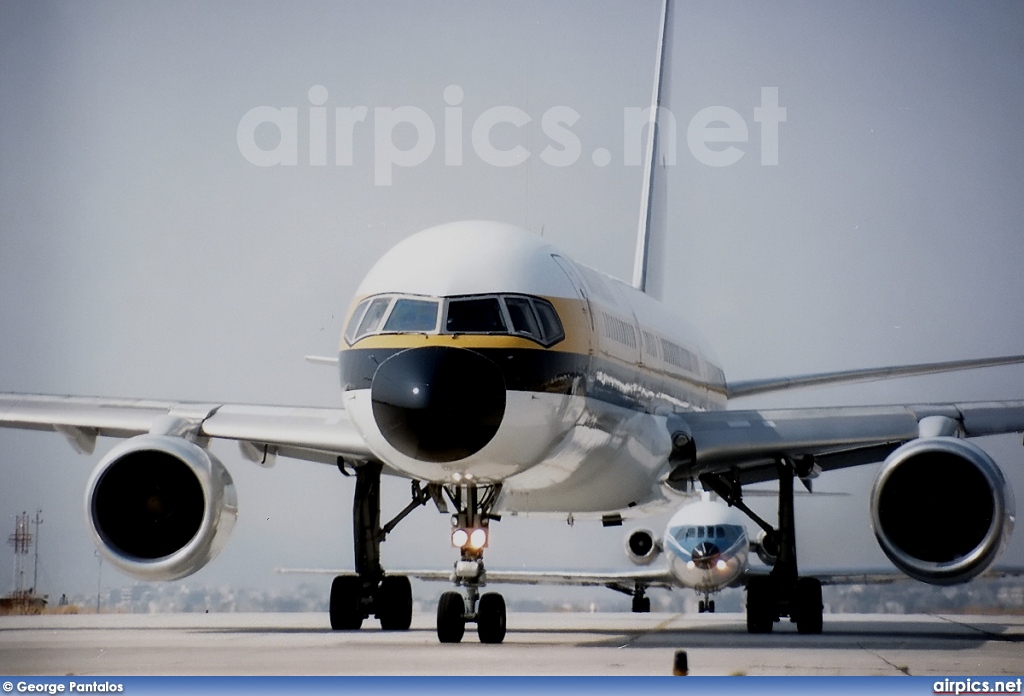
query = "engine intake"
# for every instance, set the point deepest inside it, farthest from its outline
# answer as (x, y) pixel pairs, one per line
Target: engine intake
(941, 510)
(642, 546)
(160, 507)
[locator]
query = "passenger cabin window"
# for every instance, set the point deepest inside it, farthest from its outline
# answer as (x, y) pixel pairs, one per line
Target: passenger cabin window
(475, 316)
(413, 316)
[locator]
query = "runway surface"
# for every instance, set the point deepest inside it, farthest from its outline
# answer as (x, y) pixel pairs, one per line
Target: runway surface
(536, 644)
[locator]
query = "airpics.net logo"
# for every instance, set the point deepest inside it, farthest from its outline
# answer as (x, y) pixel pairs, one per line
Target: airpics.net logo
(714, 135)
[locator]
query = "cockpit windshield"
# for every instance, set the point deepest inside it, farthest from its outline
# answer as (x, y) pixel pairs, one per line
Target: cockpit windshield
(474, 316)
(530, 317)
(418, 316)
(728, 533)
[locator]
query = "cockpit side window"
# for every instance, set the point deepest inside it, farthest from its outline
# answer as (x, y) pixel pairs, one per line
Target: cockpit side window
(550, 326)
(371, 320)
(353, 323)
(477, 315)
(523, 319)
(413, 316)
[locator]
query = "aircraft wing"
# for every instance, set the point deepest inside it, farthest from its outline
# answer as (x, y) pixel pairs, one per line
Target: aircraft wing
(764, 386)
(625, 580)
(313, 434)
(747, 443)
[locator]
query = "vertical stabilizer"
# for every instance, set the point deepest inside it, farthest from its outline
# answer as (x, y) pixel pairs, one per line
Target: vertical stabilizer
(643, 242)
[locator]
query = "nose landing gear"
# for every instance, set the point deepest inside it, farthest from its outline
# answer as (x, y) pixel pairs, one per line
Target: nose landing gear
(470, 533)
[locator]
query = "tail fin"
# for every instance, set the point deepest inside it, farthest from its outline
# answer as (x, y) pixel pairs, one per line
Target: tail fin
(641, 260)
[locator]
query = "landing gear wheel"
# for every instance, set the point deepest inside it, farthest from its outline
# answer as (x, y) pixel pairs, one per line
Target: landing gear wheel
(701, 607)
(641, 605)
(394, 603)
(711, 606)
(490, 618)
(808, 605)
(451, 618)
(346, 603)
(760, 605)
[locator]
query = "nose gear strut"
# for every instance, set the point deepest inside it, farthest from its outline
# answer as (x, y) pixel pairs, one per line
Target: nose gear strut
(473, 505)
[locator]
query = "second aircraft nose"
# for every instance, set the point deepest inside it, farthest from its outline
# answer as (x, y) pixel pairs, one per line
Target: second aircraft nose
(705, 554)
(438, 404)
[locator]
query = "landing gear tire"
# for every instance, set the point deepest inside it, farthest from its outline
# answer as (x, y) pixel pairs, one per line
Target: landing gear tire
(346, 603)
(641, 605)
(711, 606)
(808, 606)
(394, 603)
(701, 607)
(490, 618)
(451, 618)
(760, 605)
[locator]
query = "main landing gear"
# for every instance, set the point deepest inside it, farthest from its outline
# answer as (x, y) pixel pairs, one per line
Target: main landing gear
(782, 592)
(371, 592)
(473, 505)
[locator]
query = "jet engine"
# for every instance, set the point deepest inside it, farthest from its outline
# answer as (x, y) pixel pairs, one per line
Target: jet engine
(642, 547)
(767, 548)
(941, 510)
(160, 507)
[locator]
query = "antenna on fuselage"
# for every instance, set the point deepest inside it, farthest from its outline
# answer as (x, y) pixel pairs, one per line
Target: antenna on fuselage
(643, 233)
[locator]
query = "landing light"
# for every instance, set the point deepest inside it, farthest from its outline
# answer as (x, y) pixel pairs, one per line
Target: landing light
(721, 565)
(472, 538)
(691, 565)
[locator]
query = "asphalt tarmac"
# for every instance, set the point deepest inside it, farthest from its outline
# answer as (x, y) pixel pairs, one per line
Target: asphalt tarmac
(536, 644)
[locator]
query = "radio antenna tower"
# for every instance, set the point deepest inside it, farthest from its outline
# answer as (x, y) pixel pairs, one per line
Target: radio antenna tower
(21, 540)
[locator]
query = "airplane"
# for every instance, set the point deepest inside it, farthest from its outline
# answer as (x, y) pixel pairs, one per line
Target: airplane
(500, 376)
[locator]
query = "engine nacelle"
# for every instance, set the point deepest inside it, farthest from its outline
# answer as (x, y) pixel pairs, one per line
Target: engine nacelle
(941, 510)
(767, 548)
(642, 546)
(160, 507)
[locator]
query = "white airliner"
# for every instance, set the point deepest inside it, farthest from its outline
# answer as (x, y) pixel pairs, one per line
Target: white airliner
(499, 376)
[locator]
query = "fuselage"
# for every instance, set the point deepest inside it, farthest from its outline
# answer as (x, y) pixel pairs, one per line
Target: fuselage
(476, 352)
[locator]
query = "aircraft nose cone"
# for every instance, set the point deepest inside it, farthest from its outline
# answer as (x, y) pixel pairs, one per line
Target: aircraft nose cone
(438, 404)
(705, 554)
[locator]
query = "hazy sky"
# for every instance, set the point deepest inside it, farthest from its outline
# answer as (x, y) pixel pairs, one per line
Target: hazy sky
(142, 254)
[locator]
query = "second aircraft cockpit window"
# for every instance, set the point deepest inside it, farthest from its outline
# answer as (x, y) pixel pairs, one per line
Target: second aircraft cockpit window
(516, 315)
